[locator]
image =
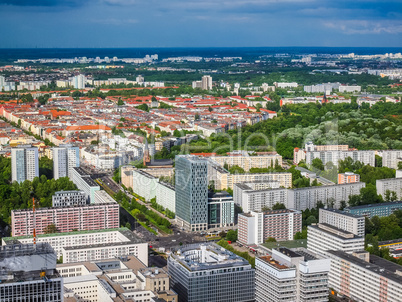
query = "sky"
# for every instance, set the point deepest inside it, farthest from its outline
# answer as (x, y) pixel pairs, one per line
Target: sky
(200, 23)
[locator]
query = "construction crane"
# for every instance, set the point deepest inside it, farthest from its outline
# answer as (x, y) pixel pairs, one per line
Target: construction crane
(34, 222)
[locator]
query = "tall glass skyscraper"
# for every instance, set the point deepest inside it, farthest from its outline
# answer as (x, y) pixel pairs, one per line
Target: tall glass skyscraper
(192, 192)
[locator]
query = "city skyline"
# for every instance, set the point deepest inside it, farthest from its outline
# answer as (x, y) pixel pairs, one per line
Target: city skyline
(117, 23)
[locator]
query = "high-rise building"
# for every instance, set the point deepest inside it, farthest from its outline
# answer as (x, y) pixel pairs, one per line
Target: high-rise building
(24, 163)
(65, 157)
(192, 192)
(391, 158)
(256, 227)
(206, 82)
(345, 221)
(28, 273)
(291, 275)
(208, 272)
(364, 277)
(78, 81)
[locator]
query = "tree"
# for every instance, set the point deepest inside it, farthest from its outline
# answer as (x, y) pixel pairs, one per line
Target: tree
(311, 219)
(50, 229)
(400, 165)
(143, 107)
(265, 209)
(390, 196)
(210, 109)
(231, 235)
(318, 164)
(279, 206)
(120, 102)
(197, 117)
(270, 239)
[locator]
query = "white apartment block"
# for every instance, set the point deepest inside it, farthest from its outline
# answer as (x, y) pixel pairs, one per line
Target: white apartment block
(85, 183)
(65, 157)
(255, 227)
(291, 275)
(364, 277)
(354, 88)
(323, 237)
(299, 198)
(91, 245)
(389, 184)
(345, 221)
(331, 196)
(69, 198)
(398, 174)
(391, 158)
(254, 200)
(24, 163)
(247, 162)
(166, 196)
(144, 184)
(367, 157)
(285, 85)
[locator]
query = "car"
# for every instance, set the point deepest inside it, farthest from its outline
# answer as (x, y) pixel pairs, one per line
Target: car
(173, 240)
(178, 233)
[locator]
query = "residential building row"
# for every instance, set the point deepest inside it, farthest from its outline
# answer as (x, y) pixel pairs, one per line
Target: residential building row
(298, 198)
(65, 219)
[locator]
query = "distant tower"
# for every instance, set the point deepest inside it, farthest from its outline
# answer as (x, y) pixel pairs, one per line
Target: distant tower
(146, 157)
(324, 99)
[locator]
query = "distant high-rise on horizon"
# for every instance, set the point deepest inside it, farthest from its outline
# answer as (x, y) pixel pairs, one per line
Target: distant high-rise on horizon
(192, 192)
(24, 163)
(78, 81)
(65, 157)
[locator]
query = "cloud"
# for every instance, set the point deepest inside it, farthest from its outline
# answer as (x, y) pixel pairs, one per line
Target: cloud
(365, 26)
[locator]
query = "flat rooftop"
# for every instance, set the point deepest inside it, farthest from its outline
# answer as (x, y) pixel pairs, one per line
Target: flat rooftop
(222, 257)
(375, 205)
(80, 171)
(342, 213)
(269, 260)
(334, 231)
(126, 232)
(89, 181)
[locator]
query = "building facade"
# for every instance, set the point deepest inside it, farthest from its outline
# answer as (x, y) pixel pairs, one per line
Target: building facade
(375, 209)
(391, 158)
(191, 192)
(85, 183)
(66, 219)
(256, 227)
(69, 198)
(208, 272)
(364, 277)
(28, 272)
(348, 177)
(291, 275)
(65, 157)
(166, 196)
(342, 220)
(365, 157)
(220, 210)
(323, 237)
(390, 185)
(91, 245)
(24, 163)
(247, 162)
